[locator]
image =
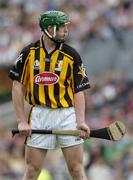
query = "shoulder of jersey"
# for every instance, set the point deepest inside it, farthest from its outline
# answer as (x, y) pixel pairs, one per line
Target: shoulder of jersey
(32, 46)
(69, 50)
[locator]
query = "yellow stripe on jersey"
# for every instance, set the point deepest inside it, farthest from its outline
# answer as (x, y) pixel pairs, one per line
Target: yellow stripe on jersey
(63, 75)
(42, 68)
(70, 87)
(24, 75)
(32, 56)
(51, 87)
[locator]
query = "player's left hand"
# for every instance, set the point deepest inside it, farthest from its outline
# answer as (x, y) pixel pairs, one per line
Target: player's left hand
(85, 131)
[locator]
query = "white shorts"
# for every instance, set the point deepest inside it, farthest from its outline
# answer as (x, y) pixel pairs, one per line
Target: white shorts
(53, 119)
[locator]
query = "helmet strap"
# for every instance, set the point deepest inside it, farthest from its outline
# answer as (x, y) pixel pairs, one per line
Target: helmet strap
(54, 31)
(52, 37)
(47, 33)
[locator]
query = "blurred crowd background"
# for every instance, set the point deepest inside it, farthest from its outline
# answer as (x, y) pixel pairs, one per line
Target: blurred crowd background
(102, 32)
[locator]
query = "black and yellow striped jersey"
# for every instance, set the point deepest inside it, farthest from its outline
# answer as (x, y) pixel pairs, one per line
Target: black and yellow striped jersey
(50, 79)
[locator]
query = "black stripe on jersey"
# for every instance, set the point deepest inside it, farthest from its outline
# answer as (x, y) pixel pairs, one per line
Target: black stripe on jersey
(36, 71)
(66, 96)
(24, 72)
(56, 88)
(47, 67)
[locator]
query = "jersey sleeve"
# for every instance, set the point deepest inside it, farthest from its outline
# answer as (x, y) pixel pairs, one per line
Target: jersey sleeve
(20, 69)
(81, 81)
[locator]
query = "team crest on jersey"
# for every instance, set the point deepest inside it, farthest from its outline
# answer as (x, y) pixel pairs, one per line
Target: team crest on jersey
(36, 64)
(46, 78)
(59, 65)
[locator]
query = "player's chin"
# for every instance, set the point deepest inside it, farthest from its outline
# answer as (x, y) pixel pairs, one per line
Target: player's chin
(63, 38)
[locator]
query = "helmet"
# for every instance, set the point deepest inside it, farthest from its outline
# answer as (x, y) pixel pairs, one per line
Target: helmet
(53, 18)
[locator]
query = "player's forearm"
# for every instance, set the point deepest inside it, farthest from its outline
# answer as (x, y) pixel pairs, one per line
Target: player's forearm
(18, 100)
(80, 107)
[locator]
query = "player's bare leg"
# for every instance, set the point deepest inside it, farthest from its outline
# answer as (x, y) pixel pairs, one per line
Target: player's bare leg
(34, 162)
(74, 160)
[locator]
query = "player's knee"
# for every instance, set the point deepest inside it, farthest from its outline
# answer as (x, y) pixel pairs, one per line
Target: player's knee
(32, 172)
(77, 170)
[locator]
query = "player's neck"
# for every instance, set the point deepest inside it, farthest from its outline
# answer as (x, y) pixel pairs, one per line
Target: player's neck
(49, 44)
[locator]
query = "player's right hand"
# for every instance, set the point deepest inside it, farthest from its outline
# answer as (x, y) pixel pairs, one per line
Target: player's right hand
(24, 128)
(85, 131)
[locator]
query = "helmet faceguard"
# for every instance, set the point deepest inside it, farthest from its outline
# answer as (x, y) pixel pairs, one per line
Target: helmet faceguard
(55, 19)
